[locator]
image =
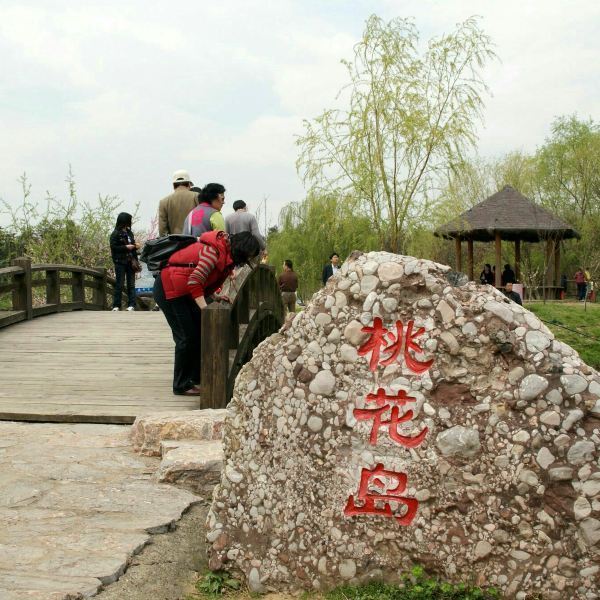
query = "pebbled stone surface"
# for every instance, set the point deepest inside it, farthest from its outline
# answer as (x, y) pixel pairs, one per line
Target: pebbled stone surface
(76, 504)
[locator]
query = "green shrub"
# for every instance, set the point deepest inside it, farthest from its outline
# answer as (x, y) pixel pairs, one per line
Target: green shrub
(63, 231)
(217, 583)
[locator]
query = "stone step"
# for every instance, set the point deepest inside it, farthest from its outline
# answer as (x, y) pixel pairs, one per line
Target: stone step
(168, 445)
(195, 466)
(149, 431)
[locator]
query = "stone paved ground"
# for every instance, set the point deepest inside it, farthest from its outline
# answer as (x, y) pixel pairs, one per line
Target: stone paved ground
(75, 504)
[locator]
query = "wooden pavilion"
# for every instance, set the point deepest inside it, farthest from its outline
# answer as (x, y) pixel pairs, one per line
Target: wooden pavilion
(508, 215)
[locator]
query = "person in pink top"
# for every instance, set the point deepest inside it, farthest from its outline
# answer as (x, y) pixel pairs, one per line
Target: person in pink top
(581, 284)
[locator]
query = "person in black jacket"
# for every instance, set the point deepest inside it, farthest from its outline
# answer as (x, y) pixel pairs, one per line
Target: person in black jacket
(332, 268)
(508, 275)
(510, 293)
(487, 275)
(123, 250)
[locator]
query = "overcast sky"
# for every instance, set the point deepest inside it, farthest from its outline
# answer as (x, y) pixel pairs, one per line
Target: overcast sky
(127, 91)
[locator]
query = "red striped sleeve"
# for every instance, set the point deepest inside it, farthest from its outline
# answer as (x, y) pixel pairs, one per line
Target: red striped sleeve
(207, 261)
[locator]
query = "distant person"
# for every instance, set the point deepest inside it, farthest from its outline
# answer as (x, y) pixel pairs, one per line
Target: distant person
(510, 293)
(192, 276)
(487, 276)
(589, 284)
(207, 215)
(288, 284)
(173, 210)
(581, 284)
(563, 283)
(123, 250)
(332, 268)
(507, 276)
(241, 220)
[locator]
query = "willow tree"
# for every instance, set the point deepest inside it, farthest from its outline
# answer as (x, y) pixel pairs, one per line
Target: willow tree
(411, 114)
(569, 180)
(310, 230)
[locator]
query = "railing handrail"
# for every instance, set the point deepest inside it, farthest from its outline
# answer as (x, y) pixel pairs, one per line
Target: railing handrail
(70, 268)
(22, 283)
(10, 271)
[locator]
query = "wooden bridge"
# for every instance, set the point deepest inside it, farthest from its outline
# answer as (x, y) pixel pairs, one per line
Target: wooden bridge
(64, 357)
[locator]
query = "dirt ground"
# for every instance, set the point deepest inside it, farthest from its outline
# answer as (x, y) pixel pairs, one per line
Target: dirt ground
(168, 567)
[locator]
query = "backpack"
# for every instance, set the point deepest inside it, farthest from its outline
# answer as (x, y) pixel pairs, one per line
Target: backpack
(156, 252)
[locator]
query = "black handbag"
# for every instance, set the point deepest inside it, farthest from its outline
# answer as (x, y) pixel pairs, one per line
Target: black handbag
(156, 252)
(135, 264)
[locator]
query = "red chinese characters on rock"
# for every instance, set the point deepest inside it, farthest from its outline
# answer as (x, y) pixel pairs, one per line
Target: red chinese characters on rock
(378, 487)
(383, 341)
(383, 403)
(388, 487)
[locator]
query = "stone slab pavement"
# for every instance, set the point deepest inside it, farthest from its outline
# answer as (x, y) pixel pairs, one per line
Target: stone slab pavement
(75, 504)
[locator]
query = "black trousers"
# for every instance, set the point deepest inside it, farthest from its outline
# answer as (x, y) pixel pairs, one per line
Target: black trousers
(122, 272)
(183, 316)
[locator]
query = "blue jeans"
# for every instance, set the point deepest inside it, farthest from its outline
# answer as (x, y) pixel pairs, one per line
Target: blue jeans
(123, 272)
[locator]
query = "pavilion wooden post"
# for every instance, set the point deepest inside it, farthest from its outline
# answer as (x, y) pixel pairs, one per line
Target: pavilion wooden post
(518, 260)
(498, 282)
(549, 254)
(556, 262)
(458, 246)
(470, 258)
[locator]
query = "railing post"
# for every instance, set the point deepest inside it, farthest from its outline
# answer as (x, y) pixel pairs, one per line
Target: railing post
(234, 327)
(77, 289)
(53, 287)
(243, 304)
(214, 369)
(22, 297)
(99, 298)
(253, 287)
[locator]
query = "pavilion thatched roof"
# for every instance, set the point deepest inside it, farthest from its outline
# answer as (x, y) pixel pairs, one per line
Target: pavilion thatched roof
(511, 214)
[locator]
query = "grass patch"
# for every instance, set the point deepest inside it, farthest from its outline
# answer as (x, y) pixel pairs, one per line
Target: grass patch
(574, 324)
(415, 586)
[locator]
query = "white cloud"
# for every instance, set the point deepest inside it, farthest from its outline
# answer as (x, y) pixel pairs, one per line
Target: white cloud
(130, 91)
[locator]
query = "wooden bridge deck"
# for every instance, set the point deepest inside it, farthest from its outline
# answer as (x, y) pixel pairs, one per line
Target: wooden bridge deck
(86, 366)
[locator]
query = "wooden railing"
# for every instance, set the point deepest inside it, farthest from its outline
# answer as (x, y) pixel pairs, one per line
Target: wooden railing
(230, 332)
(19, 282)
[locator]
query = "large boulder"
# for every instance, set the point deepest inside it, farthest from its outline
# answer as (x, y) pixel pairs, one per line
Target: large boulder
(401, 420)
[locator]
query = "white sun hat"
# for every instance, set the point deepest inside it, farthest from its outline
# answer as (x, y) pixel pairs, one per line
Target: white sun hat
(181, 176)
